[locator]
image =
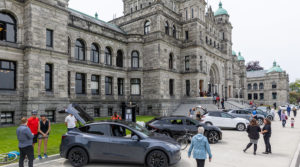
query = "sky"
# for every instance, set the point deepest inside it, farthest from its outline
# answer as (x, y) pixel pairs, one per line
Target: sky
(263, 30)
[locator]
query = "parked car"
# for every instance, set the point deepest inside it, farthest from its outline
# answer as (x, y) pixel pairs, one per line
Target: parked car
(178, 125)
(246, 114)
(268, 115)
(225, 120)
(267, 112)
(120, 142)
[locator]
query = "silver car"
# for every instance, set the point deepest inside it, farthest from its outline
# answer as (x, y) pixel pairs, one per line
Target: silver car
(247, 115)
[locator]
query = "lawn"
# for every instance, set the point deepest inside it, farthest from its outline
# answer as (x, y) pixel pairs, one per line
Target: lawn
(8, 138)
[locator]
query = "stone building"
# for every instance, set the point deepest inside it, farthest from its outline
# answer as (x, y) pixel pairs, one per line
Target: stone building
(160, 53)
(268, 86)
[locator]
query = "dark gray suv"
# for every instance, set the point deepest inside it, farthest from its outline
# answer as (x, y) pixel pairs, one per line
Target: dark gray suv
(123, 142)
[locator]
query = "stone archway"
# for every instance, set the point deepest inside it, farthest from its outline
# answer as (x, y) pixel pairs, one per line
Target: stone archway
(214, 80)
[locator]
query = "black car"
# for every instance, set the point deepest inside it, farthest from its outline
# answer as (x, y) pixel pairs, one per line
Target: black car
(178, 125)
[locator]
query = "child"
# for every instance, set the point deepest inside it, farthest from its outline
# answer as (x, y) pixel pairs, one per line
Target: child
(292, 122)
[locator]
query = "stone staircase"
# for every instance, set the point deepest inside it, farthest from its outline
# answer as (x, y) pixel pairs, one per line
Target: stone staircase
(235, 104)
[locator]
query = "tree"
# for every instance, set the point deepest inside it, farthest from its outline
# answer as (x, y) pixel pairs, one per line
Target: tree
(295, 86)
(295, 92)
(253, 66)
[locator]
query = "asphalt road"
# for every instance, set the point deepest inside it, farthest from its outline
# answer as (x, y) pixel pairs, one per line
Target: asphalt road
(228, 153)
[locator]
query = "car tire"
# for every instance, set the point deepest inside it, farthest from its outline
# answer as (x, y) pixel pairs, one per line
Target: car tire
(157, 159)
(260, 121)
(78, 157)
(270, 117)
(208, 124)
(240, 127)
(213, 137)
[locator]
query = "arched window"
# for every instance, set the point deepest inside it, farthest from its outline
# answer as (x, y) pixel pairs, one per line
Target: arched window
(79, 50)
(171, 57)
(8, 30)
(249, 86)
(261, 86)
(255, 86)
(94, 53)
(135, 59)
(147, 27)
(119, 58)
(108, 56)
(167, 28)
(174, 31)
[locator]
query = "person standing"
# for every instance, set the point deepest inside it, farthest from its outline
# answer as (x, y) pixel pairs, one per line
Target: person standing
(284, 118)
(279, 113)
(223, 103)
(267, 131)
(288, 109)
(198, 116)
(70, 122)
(116, 117)
(25, 138)
(292, 122)
(200, 148)
(295, 111)
(254, 114)
(215, 99)
(33, 124)
(44, 131)
(253, 133)
(218, 101)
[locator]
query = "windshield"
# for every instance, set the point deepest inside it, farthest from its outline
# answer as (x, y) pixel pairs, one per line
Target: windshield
(145, 132)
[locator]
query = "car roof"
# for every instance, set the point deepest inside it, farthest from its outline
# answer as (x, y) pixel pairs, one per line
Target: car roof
(174, 117)
(116, 122)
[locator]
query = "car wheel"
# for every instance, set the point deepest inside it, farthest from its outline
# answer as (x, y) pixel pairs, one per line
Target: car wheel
(213, 137)
(157, 159)
(208, 123)
(260, 121)
(78, 157)
(270, 118)
(240, 127)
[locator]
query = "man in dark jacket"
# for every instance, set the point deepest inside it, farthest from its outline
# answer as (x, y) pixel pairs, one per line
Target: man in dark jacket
(25, 137)
(253, 131)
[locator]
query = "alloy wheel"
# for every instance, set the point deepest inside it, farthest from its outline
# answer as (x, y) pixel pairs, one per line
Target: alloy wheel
(157, 159)
(213, 137)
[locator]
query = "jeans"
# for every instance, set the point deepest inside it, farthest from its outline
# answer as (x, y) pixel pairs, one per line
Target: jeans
(289, 113)
(26, 151)
(283, 123)
(200, 162)
(267, 143)
(295, 113)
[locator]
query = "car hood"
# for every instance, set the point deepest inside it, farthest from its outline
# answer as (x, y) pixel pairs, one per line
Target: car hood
(162, 137)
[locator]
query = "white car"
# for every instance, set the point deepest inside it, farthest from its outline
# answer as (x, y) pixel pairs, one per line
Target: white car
(224, 120)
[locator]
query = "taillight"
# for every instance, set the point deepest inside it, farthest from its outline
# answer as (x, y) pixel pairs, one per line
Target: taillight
(63, 137)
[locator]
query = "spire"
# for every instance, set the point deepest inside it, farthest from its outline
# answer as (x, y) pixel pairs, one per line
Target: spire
(220, 5)
(274, 64)
(96, 15)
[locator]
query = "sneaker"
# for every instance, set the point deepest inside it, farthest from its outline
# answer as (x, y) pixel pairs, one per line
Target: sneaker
(254, 153)
(40, 157)
(45, 155)
(244, 150)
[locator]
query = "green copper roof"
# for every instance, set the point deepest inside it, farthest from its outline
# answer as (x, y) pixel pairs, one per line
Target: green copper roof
(240, 57)
(221, 10)
(275, 68)
(233, 53)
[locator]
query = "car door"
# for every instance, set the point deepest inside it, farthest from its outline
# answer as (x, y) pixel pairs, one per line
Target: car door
(97, 137)
(227, 120)
(215, 119)
(191, 125)
(122, 148)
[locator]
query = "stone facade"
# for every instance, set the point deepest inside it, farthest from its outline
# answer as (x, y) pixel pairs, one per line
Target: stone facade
(183, 43)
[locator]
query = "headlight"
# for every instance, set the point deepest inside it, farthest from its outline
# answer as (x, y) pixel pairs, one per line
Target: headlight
(173, 146)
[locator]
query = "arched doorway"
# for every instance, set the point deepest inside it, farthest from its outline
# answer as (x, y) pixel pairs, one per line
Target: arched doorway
(214, 80)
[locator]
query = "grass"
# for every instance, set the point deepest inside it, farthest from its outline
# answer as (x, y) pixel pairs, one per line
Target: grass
(9, 142)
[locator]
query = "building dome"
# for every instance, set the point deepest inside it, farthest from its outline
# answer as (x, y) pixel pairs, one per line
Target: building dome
(275, 68)
(233, 53)
(240, 57)
(221, 11)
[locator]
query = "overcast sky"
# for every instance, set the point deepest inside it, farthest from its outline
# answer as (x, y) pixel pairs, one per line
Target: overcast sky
(263, 30)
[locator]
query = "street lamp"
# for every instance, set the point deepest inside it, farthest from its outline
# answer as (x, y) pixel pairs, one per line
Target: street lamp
(239, 92)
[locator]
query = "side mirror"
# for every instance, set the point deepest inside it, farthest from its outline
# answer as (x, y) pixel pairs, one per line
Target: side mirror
(135, 138)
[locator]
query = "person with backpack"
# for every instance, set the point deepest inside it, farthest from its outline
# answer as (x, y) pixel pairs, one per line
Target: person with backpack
(253, 131)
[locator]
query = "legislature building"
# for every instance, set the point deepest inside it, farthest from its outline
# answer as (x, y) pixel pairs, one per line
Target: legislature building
(159, 54)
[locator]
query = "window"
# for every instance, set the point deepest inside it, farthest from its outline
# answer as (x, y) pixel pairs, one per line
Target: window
(79, 50)
(69, 45)
(108, 56)
(8, 30)
(7, 75)
(135, 86)
(94, 53)
(119, 58)
(186, 14)
(171, 87)
(274, 85)
(108, 85)
(174, 31)
(50, 115)
(201, 65)
(95, 84)
(187, 63)
(109, 111)
(147, 27)
(171, 61)
(192, 13)
(249, 86)
(100, 129)
(120, 86)
(69, 83)
(255, 96)
(80, 83)
(49, 38)
(274, 95)
(249, 96)
(187, 87)
(261, 86)
(261, 96)
(135, 59)
(167, 28)
(96, 112)
(186, 35)
(225, 115)
(255, 86)
(48, 77)
(206, 40)
(7, 118)
(120, 131)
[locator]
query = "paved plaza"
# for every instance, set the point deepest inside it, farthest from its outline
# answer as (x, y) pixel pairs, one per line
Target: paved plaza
(228, 153)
